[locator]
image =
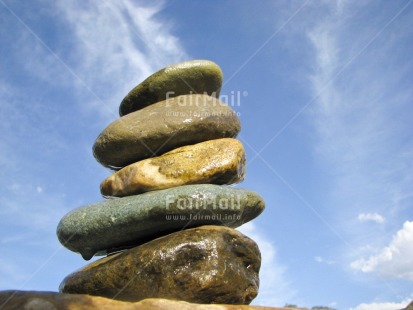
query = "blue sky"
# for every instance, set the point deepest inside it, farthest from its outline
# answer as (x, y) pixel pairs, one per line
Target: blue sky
(325, 93)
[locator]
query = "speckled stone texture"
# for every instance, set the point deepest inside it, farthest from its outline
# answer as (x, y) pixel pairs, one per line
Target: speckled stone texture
(162, 127)
(132, 220)
(190, 77)
(208, 264)
(220, 161)
(17, 300)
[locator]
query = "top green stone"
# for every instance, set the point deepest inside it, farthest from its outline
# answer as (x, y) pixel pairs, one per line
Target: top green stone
(189, 77)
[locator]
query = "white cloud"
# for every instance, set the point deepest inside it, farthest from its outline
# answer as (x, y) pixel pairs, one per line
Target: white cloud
(371, 217)
(275, 288)
(382, 305)
(117, 45)
(395, 260)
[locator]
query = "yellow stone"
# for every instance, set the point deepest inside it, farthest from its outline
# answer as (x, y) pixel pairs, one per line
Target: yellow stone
(220, 161)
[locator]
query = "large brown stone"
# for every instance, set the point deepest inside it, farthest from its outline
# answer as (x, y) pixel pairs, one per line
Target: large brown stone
(208, 264)
(220, 161)
(164, 126)
(17, 300)
(189, 77)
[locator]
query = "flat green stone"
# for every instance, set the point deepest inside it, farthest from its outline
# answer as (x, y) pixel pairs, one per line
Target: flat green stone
(190, 77)
(124, 222)
(164, 126)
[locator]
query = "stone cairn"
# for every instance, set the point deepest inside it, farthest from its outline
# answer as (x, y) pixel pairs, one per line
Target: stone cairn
(168, 231)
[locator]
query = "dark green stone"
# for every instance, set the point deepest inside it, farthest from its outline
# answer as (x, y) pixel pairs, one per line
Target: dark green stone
(190, 77)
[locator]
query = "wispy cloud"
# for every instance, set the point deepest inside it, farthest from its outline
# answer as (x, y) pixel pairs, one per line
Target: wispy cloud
(360, 118)
(363, 136)
(117, 45)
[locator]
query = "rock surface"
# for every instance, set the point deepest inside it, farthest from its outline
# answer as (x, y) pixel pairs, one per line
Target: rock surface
(220, 161)
(208, 264)
(132, 220)
(164, 126)
(190, 77)
(17, 300)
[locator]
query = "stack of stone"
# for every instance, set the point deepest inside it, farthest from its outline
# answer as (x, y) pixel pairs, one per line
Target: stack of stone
(168, 227)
